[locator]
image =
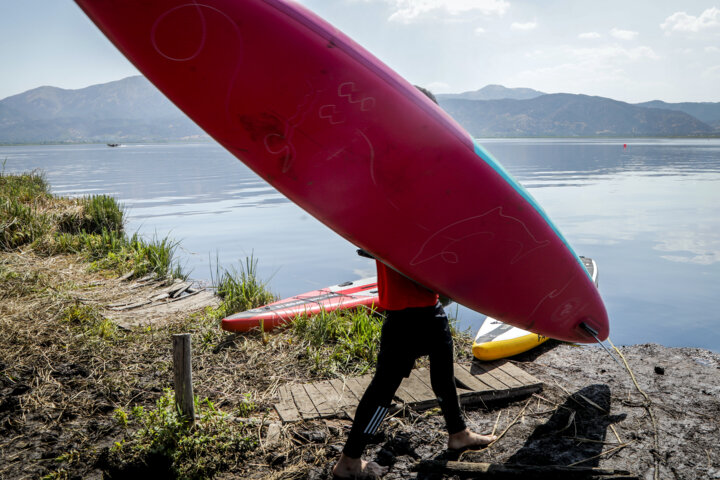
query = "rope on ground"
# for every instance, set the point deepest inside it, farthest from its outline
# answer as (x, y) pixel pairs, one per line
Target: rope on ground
(513, 422)
(646, 405)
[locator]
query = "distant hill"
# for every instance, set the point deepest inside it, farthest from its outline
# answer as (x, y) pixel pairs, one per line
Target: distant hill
(492, 92)
(707, 112)
(133, 110)
(562, 115)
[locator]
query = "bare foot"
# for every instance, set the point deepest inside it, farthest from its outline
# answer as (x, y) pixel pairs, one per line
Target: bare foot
(468, 440)
(357, 468)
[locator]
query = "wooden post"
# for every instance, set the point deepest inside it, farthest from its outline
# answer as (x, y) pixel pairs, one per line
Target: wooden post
(182, 367)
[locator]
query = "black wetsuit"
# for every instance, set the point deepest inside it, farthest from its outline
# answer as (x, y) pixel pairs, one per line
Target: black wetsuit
(406, 335)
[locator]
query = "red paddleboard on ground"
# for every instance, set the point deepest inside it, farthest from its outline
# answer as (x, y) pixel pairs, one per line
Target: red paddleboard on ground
(358, 147)
(348, 295)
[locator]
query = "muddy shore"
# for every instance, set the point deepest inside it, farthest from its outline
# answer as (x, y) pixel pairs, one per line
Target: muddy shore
(591, 414)
(60, 391)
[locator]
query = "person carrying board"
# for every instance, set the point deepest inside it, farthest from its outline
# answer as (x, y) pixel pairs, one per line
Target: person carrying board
(415, 325)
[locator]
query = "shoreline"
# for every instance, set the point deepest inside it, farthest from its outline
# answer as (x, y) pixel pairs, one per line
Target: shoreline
(588, 405)
(84, 394)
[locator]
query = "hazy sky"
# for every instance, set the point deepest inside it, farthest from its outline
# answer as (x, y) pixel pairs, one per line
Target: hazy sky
(630, 50)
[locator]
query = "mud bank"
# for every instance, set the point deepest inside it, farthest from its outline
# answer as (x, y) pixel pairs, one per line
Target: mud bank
(591, 414)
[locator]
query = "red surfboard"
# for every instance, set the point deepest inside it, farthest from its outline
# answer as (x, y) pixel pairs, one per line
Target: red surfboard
(347, 295)
(358, 147)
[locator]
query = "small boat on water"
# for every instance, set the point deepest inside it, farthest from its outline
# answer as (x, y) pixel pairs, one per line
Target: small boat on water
(113, 144)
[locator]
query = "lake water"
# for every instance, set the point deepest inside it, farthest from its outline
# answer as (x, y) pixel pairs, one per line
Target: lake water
(648, 213)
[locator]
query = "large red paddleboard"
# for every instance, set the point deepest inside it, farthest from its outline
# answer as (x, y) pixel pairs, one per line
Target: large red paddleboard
(359, 148)
(347, 295)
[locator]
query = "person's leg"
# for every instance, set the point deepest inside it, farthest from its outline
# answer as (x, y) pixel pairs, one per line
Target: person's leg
(442, 378)
(371, 411)
(442, 374)
(393, 365)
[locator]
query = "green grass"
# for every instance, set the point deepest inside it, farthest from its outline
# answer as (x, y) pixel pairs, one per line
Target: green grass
(94, 226)
(96, 213)
(22, 198)
(214, 442)
(340, 342)
(25, 187)
(88, 320)
(241, 289)
(114, 251)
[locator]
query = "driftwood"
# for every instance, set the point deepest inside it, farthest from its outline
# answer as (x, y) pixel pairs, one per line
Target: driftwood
(498, 470)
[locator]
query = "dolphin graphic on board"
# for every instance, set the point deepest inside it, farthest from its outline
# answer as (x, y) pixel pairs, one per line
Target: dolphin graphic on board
(492, 226)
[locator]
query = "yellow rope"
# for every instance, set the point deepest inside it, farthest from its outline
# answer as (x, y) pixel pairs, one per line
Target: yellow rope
(646, 405)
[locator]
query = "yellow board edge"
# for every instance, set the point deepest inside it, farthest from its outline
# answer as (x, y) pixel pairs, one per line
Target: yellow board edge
(506, 348)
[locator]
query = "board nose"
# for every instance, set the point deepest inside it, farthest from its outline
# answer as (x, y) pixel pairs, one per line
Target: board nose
(592, 329)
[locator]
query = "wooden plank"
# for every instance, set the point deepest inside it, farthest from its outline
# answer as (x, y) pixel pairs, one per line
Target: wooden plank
(463, 375)
(423, 375)
(358, 385)
(498, 370)
(323, 403)
(487, 378)
(285, 408)
(487, 373)
(329, 398)
(303, 403)
(472, 398)
(348, 398)
(521, 374)
(423, 396)
(336, 399)
(504, 470)
(405, 395)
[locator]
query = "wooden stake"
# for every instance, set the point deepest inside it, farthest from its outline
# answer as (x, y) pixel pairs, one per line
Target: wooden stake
(182, 367)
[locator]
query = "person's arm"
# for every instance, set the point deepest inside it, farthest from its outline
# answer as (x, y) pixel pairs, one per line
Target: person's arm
(445, 301)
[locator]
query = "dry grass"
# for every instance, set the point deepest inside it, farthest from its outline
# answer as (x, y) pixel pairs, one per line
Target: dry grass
(65, 371)
(77, 390)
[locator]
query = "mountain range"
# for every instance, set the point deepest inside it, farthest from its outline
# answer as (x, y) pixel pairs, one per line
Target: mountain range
(128, 110)
(133, 110)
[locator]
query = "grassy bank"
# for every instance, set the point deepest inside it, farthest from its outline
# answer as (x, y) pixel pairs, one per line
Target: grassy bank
(81, 397)
(93, 227)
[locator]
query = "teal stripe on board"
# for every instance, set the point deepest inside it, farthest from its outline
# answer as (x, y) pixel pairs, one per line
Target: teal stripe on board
(490, 160)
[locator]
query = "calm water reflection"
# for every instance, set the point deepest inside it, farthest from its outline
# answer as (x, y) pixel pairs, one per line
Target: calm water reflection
(648, 213)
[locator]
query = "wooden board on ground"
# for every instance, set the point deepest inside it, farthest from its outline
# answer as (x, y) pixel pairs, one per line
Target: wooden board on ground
(337, 398)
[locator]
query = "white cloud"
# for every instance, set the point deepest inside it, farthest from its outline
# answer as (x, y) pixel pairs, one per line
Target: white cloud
(584, 70)
(438, 87)
(479, 31)
(712, 72)
(589, 35)
(712, 49)
(684, 23)
(623, 34)
(407, 11)
(524, 26)
(615, 52)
